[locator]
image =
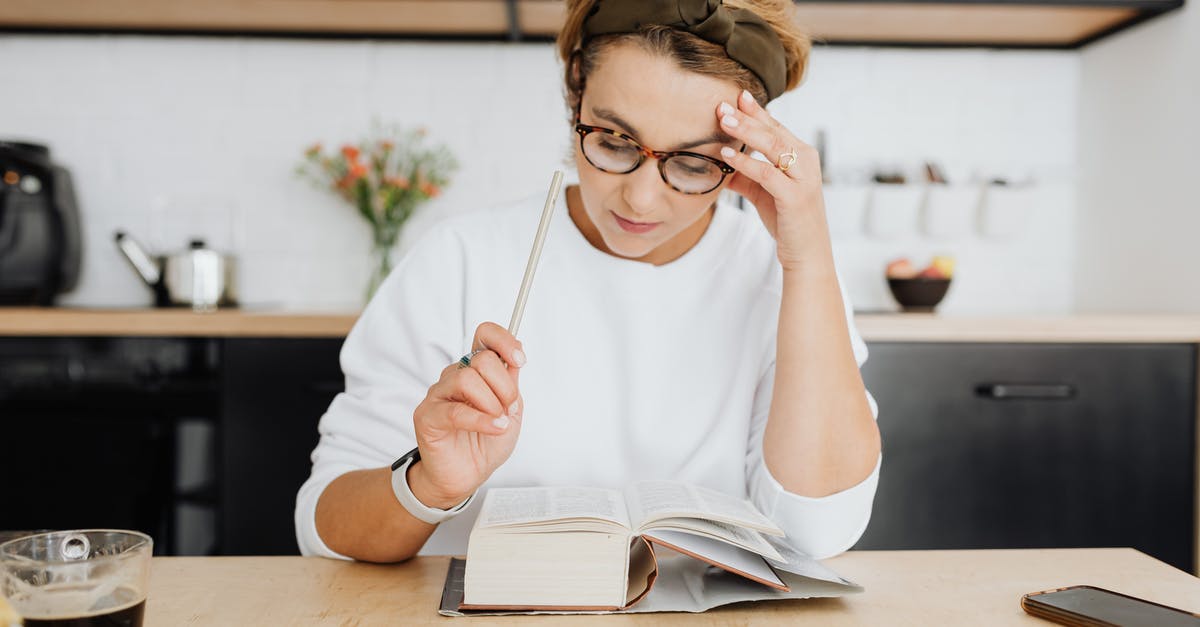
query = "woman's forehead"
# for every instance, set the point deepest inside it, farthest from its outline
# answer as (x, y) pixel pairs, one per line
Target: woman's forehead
(659, 101)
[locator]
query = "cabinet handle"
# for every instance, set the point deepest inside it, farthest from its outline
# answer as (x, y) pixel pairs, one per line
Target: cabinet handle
(1025, 391)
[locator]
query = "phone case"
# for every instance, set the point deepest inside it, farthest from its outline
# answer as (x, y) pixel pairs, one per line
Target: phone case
(1034, 607)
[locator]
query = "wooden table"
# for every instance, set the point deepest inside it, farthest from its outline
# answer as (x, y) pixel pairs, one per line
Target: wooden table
(902, 588)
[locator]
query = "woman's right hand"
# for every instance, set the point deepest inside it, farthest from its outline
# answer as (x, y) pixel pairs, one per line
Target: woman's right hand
(469, 421)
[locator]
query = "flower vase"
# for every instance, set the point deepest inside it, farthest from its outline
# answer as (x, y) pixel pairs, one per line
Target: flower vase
(381, 261)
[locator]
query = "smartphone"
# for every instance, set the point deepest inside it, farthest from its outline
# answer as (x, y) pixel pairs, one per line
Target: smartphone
(1089, 605)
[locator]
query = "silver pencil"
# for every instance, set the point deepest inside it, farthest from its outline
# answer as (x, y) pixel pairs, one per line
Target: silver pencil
(536, 253)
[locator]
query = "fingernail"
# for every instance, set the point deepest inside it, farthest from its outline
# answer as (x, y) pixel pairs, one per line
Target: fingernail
(746, 97)
(726, 108)
(501, 422)
(729, 121)
(727, 152)
(518, 357)
(512, 409)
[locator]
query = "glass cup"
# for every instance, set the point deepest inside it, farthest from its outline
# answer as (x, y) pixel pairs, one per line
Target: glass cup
(82, 578)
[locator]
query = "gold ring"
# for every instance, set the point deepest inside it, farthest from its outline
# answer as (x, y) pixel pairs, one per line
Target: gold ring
(790, 157)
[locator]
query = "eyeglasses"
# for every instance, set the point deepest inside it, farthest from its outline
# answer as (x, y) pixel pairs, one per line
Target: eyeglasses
(617, 153)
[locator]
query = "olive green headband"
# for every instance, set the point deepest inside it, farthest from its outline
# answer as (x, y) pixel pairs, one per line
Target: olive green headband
(746, 38)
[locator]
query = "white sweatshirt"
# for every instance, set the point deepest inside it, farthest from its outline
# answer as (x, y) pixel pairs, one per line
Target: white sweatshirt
(634, 371)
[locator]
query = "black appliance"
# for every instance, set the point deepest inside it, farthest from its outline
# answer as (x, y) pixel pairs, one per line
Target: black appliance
(40, 246)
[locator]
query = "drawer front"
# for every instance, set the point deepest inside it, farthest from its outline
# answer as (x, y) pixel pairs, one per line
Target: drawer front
(1035, 445)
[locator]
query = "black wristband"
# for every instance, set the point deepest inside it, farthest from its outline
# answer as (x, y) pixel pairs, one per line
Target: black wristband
(414, 455)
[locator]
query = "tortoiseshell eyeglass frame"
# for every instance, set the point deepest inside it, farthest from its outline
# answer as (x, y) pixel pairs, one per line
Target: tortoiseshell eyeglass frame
(586, 129)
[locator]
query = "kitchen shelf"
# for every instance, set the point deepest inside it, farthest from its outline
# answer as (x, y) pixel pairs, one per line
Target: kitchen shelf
(997, 23)
(993, 23)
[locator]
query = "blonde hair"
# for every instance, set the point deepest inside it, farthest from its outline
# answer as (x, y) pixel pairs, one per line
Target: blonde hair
(689, 51)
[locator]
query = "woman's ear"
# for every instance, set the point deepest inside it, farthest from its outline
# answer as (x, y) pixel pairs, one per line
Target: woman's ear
(573, 65)
(575, 79)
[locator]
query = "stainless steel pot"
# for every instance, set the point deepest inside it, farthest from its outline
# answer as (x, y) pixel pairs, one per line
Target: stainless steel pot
(198, 277)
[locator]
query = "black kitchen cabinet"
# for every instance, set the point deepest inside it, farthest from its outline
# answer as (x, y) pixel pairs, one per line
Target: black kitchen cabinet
(93, 434)
(119, 432)
(274, 391)
(1035, 445)
(985, 445)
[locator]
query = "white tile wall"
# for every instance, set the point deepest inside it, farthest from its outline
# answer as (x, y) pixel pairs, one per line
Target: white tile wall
(1139, 135)
(174, 137)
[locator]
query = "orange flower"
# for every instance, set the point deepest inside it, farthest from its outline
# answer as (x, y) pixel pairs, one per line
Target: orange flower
(313, 150)
(397, 181)
(350, 152)
(387, 145)
(429, 189)
(356, 172)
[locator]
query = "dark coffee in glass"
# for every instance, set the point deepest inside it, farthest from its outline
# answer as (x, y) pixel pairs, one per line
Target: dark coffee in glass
(88, 578)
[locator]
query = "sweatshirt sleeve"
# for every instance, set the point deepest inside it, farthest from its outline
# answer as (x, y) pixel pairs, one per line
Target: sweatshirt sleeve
(408, 333)
(818, 526)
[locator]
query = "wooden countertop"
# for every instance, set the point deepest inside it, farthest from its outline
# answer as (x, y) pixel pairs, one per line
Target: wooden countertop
(1132, 328)
(902, 588)
(25, 321)
(874, 327)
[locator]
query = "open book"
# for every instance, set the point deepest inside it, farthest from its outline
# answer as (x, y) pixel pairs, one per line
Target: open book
(594, 549)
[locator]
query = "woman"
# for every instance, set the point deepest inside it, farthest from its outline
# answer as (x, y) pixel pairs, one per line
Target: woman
(668, 335)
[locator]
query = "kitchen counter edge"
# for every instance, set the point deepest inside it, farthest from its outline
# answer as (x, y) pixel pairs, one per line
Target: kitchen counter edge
(874, 327)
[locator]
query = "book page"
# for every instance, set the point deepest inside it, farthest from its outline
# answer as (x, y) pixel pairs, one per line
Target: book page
(649, 501)
(793, 561)
(719, 554)
(747, 539)
(517, 506)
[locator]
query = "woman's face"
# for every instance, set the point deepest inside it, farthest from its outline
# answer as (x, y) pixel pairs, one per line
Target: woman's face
(665, 108)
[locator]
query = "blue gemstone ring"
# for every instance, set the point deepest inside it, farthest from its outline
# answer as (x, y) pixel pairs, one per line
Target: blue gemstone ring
(465, 360)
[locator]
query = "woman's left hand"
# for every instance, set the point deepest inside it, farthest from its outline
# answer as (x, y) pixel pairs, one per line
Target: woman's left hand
(787, 193)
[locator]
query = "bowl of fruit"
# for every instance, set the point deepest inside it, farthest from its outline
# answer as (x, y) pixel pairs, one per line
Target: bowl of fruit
(920, 290)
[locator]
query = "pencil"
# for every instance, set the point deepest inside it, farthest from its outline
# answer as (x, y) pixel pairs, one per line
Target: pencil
(536, 253)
